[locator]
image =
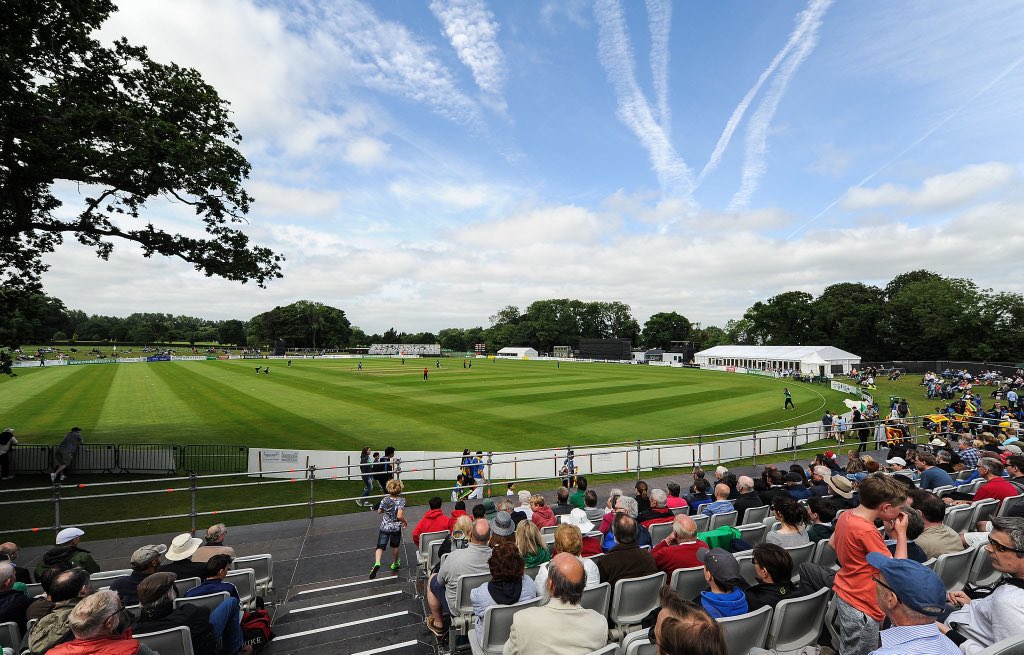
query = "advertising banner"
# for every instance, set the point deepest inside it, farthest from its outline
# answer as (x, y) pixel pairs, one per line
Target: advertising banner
(845, 388)
(159, 358)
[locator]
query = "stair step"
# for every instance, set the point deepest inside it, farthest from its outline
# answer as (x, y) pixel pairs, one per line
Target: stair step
(331, 606)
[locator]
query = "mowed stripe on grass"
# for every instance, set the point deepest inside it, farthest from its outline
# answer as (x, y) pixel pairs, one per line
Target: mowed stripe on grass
(328, 404)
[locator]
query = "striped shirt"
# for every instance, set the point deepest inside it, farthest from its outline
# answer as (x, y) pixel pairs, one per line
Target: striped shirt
(915, 640)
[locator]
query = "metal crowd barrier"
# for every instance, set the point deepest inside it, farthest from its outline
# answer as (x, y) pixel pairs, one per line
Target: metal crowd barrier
(136, 458)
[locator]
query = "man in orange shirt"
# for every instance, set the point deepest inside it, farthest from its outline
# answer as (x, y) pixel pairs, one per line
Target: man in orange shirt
(855, 536)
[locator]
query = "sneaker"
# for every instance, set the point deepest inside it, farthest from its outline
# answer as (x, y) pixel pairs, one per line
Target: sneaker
(63, 477)
(373, 571)
(397, 564)
(434, 628)
(53, 477)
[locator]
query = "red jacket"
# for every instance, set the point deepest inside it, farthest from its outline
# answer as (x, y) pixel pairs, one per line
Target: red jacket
(681, 556)
(113, 645)
(591, 546)
(456, 513)
(543, 517)
(434, 520)
(656, 515)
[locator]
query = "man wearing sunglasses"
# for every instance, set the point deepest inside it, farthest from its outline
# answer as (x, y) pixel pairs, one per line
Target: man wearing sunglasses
(980, 623)
(912, 597)
(98, 623)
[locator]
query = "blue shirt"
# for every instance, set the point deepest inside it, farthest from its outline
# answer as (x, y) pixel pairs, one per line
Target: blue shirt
(935, 477)
(915, 640)
(717, 507)
(212, 587)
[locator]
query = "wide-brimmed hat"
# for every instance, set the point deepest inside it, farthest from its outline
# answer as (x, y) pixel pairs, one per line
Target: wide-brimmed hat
(502, 524)
(840, 486)
(183, 546)
(578, 517)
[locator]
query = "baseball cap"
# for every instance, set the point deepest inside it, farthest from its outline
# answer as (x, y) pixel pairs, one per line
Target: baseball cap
(147, 554)
(721, 563)
(155, 586)
(502, 525)
(896, 460)
(67, 534)
(794, 477)
(917, 586)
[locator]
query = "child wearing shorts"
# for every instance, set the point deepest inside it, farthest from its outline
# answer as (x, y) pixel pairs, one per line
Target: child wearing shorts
(392, 509)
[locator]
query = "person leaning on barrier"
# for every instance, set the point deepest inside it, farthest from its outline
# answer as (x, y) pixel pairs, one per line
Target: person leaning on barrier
(683, 628)
(213, 633)
(215, 536)
(145, 562)
(562, 626)
(67, 589)
(99, 623)
(67, 553)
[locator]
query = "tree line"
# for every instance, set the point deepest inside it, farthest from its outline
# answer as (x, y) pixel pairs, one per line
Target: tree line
(917, 316)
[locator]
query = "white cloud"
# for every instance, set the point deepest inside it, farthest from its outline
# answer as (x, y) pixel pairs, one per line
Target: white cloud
(452, 196)
(567, 223)
(937, 193)
(473, 32)
(279, 200)
(831, 161)
(366, 152)
(575, 11)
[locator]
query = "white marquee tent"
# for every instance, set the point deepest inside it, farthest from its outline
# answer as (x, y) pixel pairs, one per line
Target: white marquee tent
(518, 353)
(808, 360)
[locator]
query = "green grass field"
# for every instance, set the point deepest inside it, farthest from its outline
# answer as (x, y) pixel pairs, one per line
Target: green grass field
(328, 404)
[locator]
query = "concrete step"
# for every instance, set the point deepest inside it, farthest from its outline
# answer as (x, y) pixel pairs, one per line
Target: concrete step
(407, 640)
(331, 607)
(379, 624)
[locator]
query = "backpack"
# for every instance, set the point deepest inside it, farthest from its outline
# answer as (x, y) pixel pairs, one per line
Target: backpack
(256, 630)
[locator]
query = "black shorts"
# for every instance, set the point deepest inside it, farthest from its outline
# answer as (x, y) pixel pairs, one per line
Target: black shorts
(395, 538)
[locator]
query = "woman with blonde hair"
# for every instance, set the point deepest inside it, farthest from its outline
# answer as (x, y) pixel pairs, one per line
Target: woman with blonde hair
(392, 509)
(568, 539)
(531, 545)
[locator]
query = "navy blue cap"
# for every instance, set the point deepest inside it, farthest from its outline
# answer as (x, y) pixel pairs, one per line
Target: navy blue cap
(916, 585)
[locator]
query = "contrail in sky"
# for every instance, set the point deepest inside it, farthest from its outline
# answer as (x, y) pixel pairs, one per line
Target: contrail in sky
(998, 78)
(659, 18)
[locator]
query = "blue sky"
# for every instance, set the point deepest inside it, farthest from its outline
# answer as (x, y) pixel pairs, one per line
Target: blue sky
(423, 163)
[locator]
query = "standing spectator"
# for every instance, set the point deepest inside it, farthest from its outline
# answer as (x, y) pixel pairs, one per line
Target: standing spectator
(179, 558)
(508, 584)
(8, 553)
(7, 442)
(855, 536)
(97, 624)
(679, 549)
(541, 514)
(67, 553)
(392, 511)
(145, 562)
(579, 497)
(433, 521)
(64, 454)
(531, 544)
(13, 603)
(840, 425)
(722, 572)
(568, 539)
(385, 468)
(911, 596)
(366, 473)
(826, 425)
(789, 399)
(215, 536)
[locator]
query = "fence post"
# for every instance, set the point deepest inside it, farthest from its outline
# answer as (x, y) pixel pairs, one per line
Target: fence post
(637, 459)
(700, 450)
(192, 489)
(796, 431)
(753, 453)
(312, 499)
(490, 456)
(56, 506)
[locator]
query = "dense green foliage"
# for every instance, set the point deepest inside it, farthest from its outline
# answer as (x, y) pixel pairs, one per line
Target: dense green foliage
(302, 324)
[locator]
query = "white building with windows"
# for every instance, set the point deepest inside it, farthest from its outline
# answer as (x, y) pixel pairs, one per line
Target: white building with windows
(825, 361)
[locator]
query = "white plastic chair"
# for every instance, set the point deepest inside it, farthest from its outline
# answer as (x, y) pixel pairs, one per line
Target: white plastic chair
(746, 563)
(659, 531)
(745, 631)
(423, 554)
(606, 650)
(725, 518)
(982, 574)
(209, 601)
(185, 584)
(245, 582)
(462, 613)
(1010, 646)
(637, 643)
(753, 534)
(1010, 503)
(96, 580)
(701, 521)
(954, 568)
(634, 598)
(263, 565)
(800, 554)
(688, 582)
(497, 625)
(958, 517)
(597, 598)
(756, 514)
(172, 641)
(796, 622)
(824, 554)
(10, 636)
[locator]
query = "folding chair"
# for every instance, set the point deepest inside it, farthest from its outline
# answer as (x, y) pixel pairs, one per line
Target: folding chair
(489, 638)
(746, 563)
(549, 529)
(637, 643)
(676, 511)
(182, 586)
(1010, 503)
(1010, 646)
(104, 578)
(172, 641)
(209, 601)
(954, 568)
(633, 599)
(245, 582)
(824, 555)
(753, 534)
(800, 555)
(725, 518)
(958, 516)
(462, 613)
(688, 582)
(745, 631)
(982, 574)
(983, 511)
(263, 565)
(756, 514)
(659, 531)
(597, 598)
(702, 522)
(607, 650)
(10, 636)
(797, 621)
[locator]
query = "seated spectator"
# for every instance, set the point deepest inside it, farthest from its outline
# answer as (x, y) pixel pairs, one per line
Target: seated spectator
(698, 474)
(222, 625)
(578, 498)
(699, 496)
(9, 553)
(682, 627)
(818, 485)
(213, 579)
(746, 497)
(479, 511)
(613, 497)
(625, 559)
(568, 539)
(842, 490)
(730, 480)
(508, 584)
(503, 529)
(773, 568)
(657, 513)
(931, 475)
(562, 626)
(911, 596)
(542, 515)
(97, 624)
(460, 510)
(594, 513)
(822, 512)
(591, 538)
(793, 531)
(67, 589)
(215, 536)
(434, 520)
(679, 549)
(674, 500)
(531, 544)
(562, 506)
(642, 498)
(996, 486)
(915, 526)
(795, 488)
(525, 509)
(457, 538)
(721, 504)
(442, 586)
(145, 562)
(722, 572)
(937, 538)
(179, 558)
(43, 605)
(67, 554)
(623, 505)
(13, 603)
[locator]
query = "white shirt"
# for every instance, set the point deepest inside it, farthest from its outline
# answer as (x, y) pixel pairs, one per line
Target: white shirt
(589, 567)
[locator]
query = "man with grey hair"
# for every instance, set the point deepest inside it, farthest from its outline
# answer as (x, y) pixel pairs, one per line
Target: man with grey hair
(819, 486)
(747, 499)
(442, 586)
(980, 623)
(628, 506)
(9, 552)
(97, 623)
(996, 486)
(13, 603)
(658, 512)
(563, 626)
(214, 545)
(679, 549)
